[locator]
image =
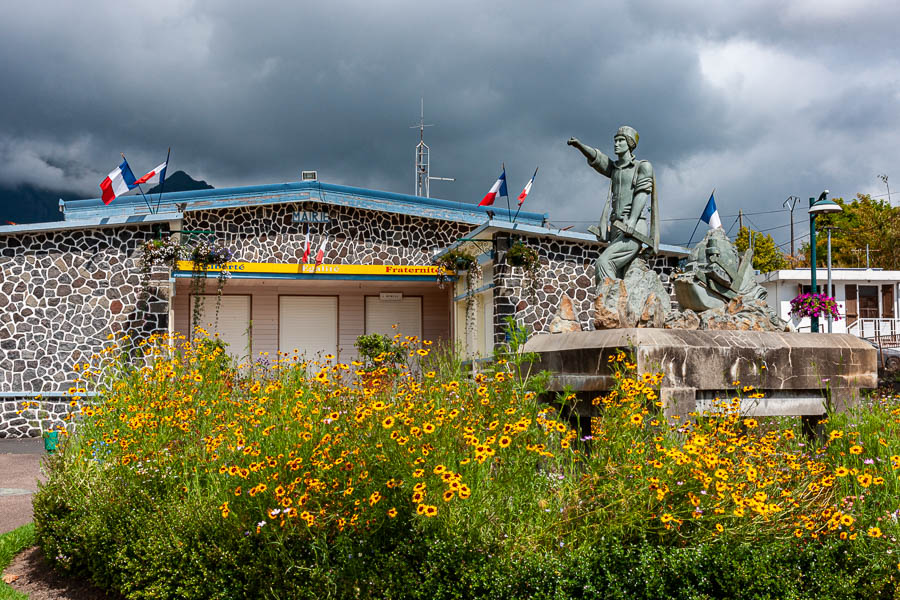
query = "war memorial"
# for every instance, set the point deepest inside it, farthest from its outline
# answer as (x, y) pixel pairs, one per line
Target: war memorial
(720, 334)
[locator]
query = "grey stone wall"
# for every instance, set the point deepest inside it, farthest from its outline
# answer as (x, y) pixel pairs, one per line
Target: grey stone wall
(355, 236)
(32, 417)
(62, 293)
(567, 268)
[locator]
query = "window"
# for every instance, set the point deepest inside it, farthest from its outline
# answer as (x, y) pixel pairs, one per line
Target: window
(382, 315)
(232, 325)
(308, 324)
(868, 301)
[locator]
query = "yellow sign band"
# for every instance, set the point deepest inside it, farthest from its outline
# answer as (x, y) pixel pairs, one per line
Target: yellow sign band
(323, 269)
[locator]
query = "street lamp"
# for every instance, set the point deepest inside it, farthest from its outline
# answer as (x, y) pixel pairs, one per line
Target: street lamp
(820, 206)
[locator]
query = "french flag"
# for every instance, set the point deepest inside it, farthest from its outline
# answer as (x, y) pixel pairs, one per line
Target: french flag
(527, 189)
(498, 189)
(320, 255)
(710, 214)
(118, 182)
(156, 175)
(306, 248)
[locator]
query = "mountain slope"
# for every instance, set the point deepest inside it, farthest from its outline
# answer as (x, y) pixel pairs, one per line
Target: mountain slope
(30, 204)
(179, 181)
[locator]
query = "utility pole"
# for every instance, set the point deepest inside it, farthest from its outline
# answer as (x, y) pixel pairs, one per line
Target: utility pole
(792, 200)
(867, 254)
(858, 251)
(740, 220)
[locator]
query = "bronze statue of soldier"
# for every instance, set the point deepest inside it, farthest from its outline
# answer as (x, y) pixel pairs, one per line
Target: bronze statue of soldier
(624, 224)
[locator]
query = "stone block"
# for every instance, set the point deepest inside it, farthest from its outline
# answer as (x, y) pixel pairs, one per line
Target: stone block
(798, 373)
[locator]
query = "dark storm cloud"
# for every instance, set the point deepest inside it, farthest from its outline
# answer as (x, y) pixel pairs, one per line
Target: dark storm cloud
(747, 98)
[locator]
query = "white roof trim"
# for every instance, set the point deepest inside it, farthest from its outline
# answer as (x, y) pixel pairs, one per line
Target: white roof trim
(112, 221)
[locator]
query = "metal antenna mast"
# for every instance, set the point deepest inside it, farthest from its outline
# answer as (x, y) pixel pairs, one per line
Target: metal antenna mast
(423, 159)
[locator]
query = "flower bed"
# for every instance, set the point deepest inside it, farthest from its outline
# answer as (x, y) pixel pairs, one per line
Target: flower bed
(192, 478)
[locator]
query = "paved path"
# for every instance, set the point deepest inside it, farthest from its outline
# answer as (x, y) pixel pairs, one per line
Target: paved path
(20, 470)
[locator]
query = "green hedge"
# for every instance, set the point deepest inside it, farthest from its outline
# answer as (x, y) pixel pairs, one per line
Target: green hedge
(172, 554)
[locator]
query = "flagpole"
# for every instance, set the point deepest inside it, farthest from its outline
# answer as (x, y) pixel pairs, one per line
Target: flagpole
(693, 232)
(162, 184)
(149, 206)
(315, 262)
(711, 194)
(506, 181)
(523, 199)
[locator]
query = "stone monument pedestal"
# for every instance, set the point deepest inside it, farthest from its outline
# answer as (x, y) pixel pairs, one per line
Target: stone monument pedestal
(799, 373)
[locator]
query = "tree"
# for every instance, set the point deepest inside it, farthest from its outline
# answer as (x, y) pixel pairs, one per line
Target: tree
(766, 256)
(864, 221)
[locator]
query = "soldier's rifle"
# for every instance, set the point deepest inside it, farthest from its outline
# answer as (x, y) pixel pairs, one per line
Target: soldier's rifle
(629, 231)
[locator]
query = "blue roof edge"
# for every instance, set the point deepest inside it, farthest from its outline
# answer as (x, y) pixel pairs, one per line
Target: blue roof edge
(123, 204)
(93, 223)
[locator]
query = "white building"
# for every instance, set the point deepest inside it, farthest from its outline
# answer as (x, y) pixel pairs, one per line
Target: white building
(867, 298)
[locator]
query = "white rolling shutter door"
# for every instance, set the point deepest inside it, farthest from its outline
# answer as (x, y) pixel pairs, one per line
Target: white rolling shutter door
(381, 315)
(233, 323)
(309, 324)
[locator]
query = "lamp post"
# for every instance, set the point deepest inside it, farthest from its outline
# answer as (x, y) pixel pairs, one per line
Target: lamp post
(819, 206)
(829, 286)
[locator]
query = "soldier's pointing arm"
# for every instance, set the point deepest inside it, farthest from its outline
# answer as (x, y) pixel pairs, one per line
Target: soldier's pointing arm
(596, 159)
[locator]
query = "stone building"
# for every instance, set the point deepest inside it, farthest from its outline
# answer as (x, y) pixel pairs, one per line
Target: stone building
(66, 287)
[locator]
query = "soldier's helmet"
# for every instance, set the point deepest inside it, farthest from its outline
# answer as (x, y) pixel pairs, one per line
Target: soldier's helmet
(631, 136)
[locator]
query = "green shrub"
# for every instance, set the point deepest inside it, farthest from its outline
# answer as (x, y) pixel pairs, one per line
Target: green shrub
(376, 348)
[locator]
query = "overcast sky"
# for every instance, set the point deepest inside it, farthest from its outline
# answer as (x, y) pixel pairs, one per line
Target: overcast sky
(760, 100)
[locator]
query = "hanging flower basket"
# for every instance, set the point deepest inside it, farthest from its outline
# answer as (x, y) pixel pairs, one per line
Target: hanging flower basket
(455, 260)
(465, 264)
(163, 252)
(522, 255)
(206, 255)
(527, 258)
(815, 305)
(167, 251)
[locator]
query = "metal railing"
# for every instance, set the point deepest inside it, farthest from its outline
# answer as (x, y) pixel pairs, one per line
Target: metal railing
(871, 329)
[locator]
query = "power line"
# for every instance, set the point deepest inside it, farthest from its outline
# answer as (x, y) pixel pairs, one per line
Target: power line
(805, 235)
(733, 223)
(749, 220)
